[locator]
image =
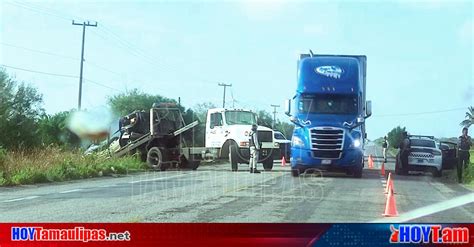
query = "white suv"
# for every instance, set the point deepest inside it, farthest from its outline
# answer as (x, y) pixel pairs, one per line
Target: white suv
(424, 156)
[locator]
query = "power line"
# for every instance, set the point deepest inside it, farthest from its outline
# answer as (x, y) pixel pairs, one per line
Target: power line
(61, 56)
(139, 53)
(38, 72)
(38, 51)
(58, 75)
(421, 113)
(37, 10)
(100, 84)
(55, 11)
(144, 54)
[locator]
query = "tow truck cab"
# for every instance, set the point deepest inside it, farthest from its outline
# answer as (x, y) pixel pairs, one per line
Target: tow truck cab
(228, 131)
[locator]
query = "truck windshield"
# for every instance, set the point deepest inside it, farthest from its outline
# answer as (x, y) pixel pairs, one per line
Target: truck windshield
(328, 104)
(240, 117)
(279, 136)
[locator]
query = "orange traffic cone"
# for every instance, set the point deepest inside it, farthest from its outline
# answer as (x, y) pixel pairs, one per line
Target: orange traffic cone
(283, 161)
(389, 184)
(382, 170)
(391, 205)
(371, 162)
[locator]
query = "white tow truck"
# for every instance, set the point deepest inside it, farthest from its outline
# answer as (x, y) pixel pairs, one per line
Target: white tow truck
(157, 137)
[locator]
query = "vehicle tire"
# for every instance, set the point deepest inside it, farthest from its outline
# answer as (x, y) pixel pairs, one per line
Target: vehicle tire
(190, 163)
(233, 157)
(194, 163)
(268, 164)
(295, 172)
(155, 158)
(436, 173)
(357, 172)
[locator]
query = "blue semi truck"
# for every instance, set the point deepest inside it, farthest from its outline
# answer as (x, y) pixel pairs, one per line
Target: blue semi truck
(329, 111)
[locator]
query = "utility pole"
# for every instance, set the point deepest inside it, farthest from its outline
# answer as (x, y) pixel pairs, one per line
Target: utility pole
(225, 86)
(84, 25)
(274, 114)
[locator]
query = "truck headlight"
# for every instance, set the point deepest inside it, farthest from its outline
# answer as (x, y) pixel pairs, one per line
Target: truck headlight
(297, 142)
(356, 143)
(276, 145)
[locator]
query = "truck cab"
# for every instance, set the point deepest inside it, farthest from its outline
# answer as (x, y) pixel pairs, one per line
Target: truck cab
(329, 109)
(228, 131)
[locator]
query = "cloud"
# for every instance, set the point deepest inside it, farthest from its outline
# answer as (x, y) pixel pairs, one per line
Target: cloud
(465, 32)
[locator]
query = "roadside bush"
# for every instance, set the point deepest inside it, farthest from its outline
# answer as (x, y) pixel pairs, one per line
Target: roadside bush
(53, 164)
(3, 157)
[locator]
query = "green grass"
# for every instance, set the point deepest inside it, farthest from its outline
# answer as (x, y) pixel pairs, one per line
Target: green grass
(53, 164)
(468, 174)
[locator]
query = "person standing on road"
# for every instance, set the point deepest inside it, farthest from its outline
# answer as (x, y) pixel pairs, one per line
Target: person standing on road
(385, 147)
(254, 149)
(464, 144)
(404, 152)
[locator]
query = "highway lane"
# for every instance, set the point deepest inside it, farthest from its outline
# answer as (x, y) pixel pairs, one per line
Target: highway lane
(214, 194)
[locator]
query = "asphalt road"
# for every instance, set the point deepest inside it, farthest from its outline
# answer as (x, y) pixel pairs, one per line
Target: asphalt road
(214, 194)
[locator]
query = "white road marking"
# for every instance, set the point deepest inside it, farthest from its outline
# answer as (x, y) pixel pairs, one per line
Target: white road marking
(429, 210)
(21, 199)
(70, 191)
(156, 179)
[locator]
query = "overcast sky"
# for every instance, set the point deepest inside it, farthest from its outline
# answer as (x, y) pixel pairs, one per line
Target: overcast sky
(420, 54)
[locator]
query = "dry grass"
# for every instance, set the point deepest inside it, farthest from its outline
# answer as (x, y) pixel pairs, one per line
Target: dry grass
(55, 164)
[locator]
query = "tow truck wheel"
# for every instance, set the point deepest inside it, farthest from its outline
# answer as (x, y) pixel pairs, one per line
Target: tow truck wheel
(194, 163)
(268, 164)
(191, 163)
(233, 156)
(155, 159)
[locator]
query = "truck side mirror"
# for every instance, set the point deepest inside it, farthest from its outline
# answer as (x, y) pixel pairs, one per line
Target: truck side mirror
(368, 109)
(296, 121)
(288, 107)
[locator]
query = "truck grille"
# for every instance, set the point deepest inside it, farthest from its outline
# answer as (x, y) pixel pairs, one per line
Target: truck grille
(265, 136)
(327, 142)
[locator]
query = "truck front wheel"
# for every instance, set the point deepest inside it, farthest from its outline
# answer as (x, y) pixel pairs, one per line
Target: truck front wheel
(233, 156)
(296, 172)
(357, 172)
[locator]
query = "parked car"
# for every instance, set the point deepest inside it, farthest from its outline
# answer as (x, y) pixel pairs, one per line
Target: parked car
(285, 146)
(425, 155)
